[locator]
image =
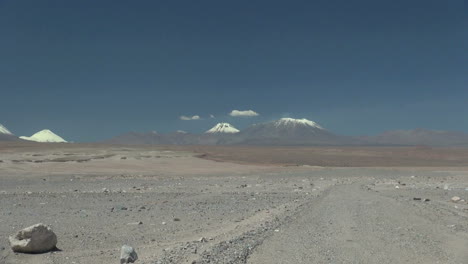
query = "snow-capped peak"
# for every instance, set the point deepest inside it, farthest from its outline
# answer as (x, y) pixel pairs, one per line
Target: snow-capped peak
(223, 128)
(44, 136)
(295, 122)
(4, 130)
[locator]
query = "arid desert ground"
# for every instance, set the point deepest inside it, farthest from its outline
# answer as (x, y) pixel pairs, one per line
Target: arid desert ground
(237, 204)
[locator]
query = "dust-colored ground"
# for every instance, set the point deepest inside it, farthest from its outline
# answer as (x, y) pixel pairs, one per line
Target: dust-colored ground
(335, 156)
(175, 207)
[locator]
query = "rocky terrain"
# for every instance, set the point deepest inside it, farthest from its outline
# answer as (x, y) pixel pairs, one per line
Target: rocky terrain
(174, 207)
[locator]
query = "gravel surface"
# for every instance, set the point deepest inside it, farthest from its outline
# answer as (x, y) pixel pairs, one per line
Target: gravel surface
(173, 207)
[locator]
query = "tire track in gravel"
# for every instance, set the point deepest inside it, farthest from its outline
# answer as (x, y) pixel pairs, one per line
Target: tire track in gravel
(352, 225)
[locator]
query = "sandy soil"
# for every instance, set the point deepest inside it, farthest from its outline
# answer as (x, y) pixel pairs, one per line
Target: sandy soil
(334, 156)
(174, 207)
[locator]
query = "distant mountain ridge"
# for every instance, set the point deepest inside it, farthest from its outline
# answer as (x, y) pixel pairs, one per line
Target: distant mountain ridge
(285, 131)
(418, 136)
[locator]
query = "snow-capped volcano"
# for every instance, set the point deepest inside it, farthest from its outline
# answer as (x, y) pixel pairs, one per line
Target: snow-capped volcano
(44, 136)
(223, 128)
(296, 122)
(287, 131)
(4, 130)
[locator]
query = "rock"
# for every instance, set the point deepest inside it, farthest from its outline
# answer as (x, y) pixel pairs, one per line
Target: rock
(120, 207)
(417, 199)
(135, 223)
(38, 238)
(455, 199)
(128, 255)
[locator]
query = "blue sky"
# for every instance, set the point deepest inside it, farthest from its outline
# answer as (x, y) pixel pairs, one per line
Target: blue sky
(90, 70)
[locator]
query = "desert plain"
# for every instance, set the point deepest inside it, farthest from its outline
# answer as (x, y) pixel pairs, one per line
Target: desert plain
(239, 204)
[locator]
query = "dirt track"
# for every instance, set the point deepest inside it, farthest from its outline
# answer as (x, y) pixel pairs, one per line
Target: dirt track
(176, 208)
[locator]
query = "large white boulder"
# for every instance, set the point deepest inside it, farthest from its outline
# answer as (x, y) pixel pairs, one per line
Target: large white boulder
(38, 238)
(128, 255)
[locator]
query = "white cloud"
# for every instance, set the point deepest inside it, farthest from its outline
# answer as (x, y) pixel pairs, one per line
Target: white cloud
(246, 113)
(195, 117)
(212, 116)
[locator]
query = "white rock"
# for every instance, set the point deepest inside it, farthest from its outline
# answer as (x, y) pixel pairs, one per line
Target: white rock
(128, 255)
(38, 238)
(455, 199)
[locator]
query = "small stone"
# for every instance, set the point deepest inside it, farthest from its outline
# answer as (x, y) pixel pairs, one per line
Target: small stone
(135, 223)
(455, 199)
(122, 208)
(128, 255)
(202, 240)
(38, 238)
(416, 199)
(176, 219)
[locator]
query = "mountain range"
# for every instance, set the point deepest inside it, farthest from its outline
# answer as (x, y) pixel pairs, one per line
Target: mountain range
(42, 136)
(285, 131)
(294, 132)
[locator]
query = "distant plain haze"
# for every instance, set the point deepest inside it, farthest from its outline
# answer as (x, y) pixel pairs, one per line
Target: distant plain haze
(90, 70)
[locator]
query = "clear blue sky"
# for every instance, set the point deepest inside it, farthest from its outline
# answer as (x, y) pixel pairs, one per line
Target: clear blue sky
(90, 70)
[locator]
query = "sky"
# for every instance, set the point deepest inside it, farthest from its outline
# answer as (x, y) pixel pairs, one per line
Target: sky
(90, 70)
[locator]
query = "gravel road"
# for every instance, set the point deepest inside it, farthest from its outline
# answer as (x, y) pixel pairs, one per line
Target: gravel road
(351, 224)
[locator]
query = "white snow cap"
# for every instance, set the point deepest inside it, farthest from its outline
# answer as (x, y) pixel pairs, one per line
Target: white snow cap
(44, 136)
(295, 122)
(223, 128)
(4, 130)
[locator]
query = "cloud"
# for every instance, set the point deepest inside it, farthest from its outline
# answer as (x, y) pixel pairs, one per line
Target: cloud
(195, 117)
(246, 113)
(212, 116)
